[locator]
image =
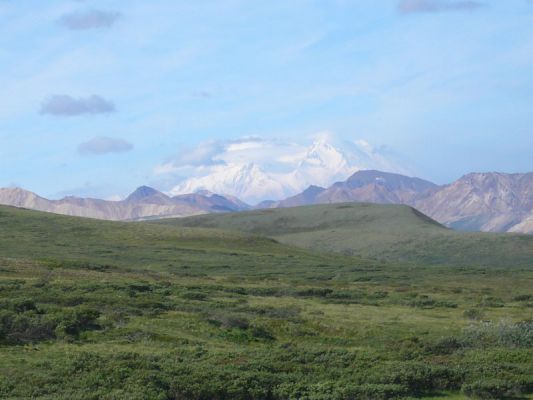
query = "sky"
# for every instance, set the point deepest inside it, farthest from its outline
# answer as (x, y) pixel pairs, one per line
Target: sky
(98, 96)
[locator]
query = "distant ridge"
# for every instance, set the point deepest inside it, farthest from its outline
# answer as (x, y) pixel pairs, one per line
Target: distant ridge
(145, 202)
(363, 186)
(492, 202)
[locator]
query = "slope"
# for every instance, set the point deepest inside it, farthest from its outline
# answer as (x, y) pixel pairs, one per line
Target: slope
(144, 202)
(386, 232)
(495, 202)
(98, 310)
(85, 242)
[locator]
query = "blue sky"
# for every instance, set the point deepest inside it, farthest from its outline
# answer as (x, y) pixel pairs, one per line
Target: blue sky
(94, 95)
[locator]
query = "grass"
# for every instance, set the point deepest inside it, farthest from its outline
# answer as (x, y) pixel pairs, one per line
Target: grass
(102, 310)
(390, 233)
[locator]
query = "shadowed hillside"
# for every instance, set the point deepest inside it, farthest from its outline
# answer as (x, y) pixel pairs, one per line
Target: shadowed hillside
(49, 237)
(386, 232)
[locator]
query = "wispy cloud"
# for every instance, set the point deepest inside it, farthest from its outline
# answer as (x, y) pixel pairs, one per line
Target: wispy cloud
(91, 19)
(434, 6)
(104, 145)
(68, 106)
(211, 153)
(202, 94)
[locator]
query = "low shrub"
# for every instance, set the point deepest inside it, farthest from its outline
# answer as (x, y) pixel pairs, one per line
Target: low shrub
(491, 389)
(315, 292)
(72, 322)
(444, 346)
(489, 301)
(229, 321)
(194, 296)
(260, 332)
(473, 314)
(27, 327)
(419, 377)
(523, 297)
(423, 301)
(502, 334)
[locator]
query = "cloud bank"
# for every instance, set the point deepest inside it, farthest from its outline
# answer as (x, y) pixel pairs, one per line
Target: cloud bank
(68, 106)
(104, 145)
(215, 152)
(435, 6)
(92, 19)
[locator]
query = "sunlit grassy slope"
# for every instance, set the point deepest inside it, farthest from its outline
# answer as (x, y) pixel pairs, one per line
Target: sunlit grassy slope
(103, 310)
(385, 232)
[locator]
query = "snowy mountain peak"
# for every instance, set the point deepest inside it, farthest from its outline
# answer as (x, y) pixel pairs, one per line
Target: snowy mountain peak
(255, 179)
(323, 154)
(247, 181)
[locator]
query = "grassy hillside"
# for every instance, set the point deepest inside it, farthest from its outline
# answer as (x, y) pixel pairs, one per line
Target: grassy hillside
(385, 232)
(102, 310)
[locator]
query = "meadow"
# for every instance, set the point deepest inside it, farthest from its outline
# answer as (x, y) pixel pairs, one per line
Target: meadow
(105, 310)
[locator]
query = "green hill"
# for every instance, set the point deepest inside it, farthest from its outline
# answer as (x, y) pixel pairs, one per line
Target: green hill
(105, 310)
(45, 236)
(386, 232)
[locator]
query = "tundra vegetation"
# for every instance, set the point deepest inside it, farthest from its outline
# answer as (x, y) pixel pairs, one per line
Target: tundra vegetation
(104, 310)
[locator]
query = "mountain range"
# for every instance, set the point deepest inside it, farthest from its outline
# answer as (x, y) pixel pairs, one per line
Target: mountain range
(143, 203)
(290, 170)
(492, 202)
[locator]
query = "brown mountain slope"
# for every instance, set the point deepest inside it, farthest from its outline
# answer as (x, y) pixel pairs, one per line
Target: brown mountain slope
(144, 203)
(495, 202)
(363, 186)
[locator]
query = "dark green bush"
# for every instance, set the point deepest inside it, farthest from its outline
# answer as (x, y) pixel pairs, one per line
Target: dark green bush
(27, 327)
(260, 332)
(23, 305)
(229, 321)
(489, 301)
(423, 301)
(376, 392)
(73, 322)
(194, 296)
(315, 292)
(444, 346)
(502, 334)
(421, 377)
(473, 314)
(523, 297)
(491, 389)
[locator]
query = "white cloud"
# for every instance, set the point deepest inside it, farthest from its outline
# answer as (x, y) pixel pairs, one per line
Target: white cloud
(434, 6)
(166, 168)
(255, 169)
(68, 106)
(115, 197)
(104, 145)
(91, 19)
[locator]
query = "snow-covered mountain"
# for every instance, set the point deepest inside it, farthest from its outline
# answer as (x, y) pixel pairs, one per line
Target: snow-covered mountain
(320, 164)
(244, 181)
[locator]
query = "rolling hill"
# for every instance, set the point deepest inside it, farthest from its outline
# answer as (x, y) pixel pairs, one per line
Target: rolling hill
(93, 309)
(50, 237)
(396, 233)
